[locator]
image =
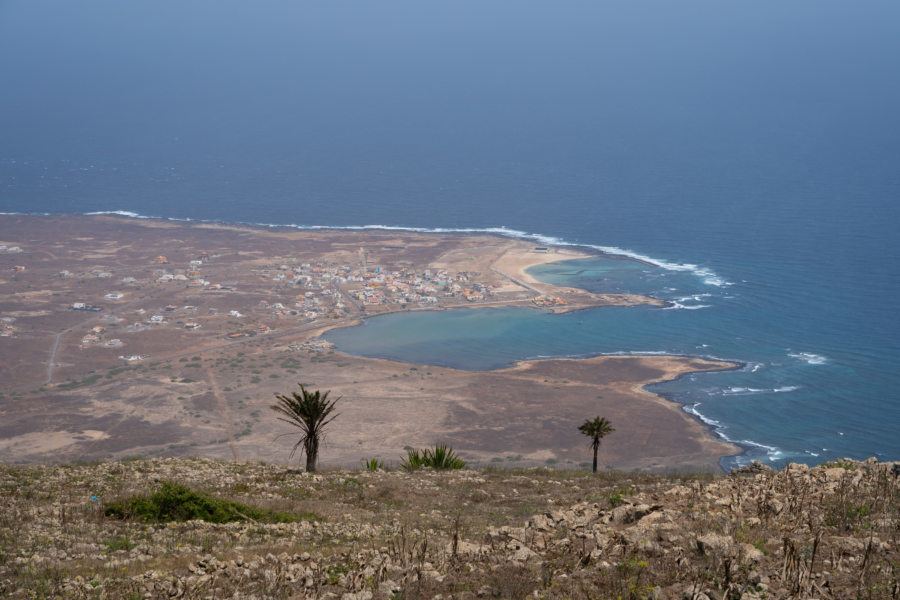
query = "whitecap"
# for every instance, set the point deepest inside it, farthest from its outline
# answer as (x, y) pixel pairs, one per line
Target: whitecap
(787, 388)
(744, 391)
(678, 305)
(732, 391)
(692, 409)
(773, 453)
(716, 281)
(809, 358)
(557, 356)
(120, 213)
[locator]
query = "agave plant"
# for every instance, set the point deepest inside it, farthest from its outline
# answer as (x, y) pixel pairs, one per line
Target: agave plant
(372, 464)
(442, 457)
(415, 459)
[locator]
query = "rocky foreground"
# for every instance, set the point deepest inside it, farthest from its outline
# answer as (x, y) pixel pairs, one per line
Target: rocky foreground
(824, 532)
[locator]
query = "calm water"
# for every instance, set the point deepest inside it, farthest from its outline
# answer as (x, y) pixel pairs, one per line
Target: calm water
(751, 152)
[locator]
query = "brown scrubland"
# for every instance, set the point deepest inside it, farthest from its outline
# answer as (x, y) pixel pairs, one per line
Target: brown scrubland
(829, 531)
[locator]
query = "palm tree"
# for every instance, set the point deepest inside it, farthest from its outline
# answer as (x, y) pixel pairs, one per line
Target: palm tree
(596, 429)
(310, 412)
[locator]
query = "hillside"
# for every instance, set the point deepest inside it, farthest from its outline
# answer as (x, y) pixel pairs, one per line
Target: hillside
(822, 532)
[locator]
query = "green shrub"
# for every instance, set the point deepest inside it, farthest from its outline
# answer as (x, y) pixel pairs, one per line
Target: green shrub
(847, 466)
(175, 502)
(119, 543)
(414, 460)
(442, 457)
(372, 464)
(617, 497)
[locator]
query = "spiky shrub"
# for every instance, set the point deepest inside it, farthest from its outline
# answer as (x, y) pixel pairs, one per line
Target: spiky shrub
(442, 457)
(415, 459)
(372, 464)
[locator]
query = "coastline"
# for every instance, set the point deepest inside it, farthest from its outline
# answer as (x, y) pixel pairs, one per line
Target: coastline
(224, 398)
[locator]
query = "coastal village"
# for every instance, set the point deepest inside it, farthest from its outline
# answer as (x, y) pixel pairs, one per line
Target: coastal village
(263, 296)
(303, 293)
(121, 336)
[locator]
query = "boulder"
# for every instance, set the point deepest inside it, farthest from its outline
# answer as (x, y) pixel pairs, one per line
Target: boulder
(753, 468)
(712, 543)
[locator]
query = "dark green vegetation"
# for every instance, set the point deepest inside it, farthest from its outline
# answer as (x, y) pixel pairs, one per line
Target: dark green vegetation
(442, 457)
(596, 429)
(372, 464)
(310, 412)
(176, 502)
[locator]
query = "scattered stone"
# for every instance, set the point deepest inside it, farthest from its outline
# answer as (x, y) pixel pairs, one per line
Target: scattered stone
(754, 468)
(369, 550)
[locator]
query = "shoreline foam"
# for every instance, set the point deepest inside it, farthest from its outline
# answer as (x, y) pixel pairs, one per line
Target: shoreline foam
(707, 275)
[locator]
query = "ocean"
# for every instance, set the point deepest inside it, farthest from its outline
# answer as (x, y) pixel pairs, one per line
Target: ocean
(749, 156)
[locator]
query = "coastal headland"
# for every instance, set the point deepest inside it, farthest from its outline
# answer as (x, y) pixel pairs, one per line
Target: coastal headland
(123, 336)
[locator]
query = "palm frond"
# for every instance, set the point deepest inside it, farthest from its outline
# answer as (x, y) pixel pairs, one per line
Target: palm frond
(310, 412)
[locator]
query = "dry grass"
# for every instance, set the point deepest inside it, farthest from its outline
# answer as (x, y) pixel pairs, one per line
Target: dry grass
(462, 534)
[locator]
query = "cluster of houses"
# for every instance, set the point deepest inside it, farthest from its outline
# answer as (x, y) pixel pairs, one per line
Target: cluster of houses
(373, 286)
(4, 249)
(87, 307)
(321, 291)
(322, 288)
(415, 286)
(548, 301)
(7, 329)
(95, 338)
(191, 276)
(317, 345)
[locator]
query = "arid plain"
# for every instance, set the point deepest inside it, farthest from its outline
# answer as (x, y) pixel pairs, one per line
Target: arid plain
(125, 337)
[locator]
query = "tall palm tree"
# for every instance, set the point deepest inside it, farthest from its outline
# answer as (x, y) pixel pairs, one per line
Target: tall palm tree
(310, 412)
(596, 429)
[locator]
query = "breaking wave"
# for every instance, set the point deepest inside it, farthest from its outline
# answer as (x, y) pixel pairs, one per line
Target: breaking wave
(746, 391)
(809, 358)
(772, 452)
(678, 305)
(124, 213)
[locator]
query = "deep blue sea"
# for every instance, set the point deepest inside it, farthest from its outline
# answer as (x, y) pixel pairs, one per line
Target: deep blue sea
(749, 154)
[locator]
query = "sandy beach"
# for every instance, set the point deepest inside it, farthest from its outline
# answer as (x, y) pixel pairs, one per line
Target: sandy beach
(516, 262)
